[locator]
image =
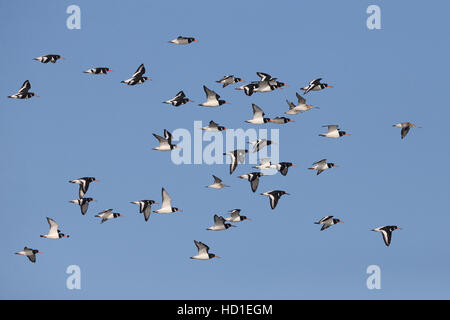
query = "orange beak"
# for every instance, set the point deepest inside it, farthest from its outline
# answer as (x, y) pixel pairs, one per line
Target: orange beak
(293, 165)
(110, 70)
(35, 95)
(329, 86)
(195, 40)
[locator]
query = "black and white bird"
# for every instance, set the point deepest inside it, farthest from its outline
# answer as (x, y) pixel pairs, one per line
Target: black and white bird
(386, 231)
(183, 40)
(166, 203)
(165, 144)
(83, 203)
(212, 99)
(274, 196)
(145, 207)
(283, 167)
(301, 105)
(235, 216)
(214, 127)
(322, 165)
(253, 177)
(405, 127)
(178, 100)
(236, 156)
(108, 215)
(327, 222)
(227, 80)
(334, 132)
(280, 120)
(217, 183)
(265, 84)
(137, 77)
(203, 252)
(315, 85)
(49, 58)
(258, 116)
(84, 184)
(54, 232)
(29, 253)
(219, 224)
(23, 92)
(260, 143)
(98, 70)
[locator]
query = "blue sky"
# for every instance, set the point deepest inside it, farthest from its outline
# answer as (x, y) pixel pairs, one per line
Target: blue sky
(86, 125)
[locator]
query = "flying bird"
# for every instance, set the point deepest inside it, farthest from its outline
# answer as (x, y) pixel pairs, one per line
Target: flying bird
(108, 215)
(145, 207)
(258, 116)
(217, 183)
(166, 206)
(203, 252)
(49, 58)
(137, 77)
(260, 143)
(253, 177)
(183, 40)
(236, 156)
(281, 120)
(83, 203)
(236, 217)
(327, 222)
(334, 132)
(178, 100)
(214, 127)
(274, 196)
(54, 232)
(84, 184)
(219, 224)
(212, 99)
(29, 253)
(315, 85)
(99, 70)
(405, 127)
(165, 144)
(386, 231)
(23, 92)
(227, 80)
(322, 165)
(300, 107)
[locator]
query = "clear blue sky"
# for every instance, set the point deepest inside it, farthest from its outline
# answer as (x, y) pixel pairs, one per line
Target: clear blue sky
(86, 125)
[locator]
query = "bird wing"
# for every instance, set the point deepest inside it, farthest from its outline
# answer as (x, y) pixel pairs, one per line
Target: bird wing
(264, 76)
(405, 131)
(290, 104)
(210, 95)
(147, 210)
(53, 226)
(258, 113)
(216, 179)
(332, 127)
(320, 161)
(161, 140)
(387, 235)
(84, 207)
(168, 136)
(212, 124)
(202, 248)
(254, 181)
(139, 72)
(25, 87)
(180, 95)
(273, 200)
(315, 82)
(32, 257)
(300, 99)
(218, 220)
(166, 199)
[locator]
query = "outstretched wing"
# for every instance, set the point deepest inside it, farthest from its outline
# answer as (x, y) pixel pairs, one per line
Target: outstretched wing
(139, 72)
(25, 87)
(210, 95)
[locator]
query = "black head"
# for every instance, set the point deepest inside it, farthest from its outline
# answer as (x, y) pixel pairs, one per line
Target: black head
(237, 80)
(212, 255)
(88, 199)
(221, 102)
(175, 209)
(331, 164)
